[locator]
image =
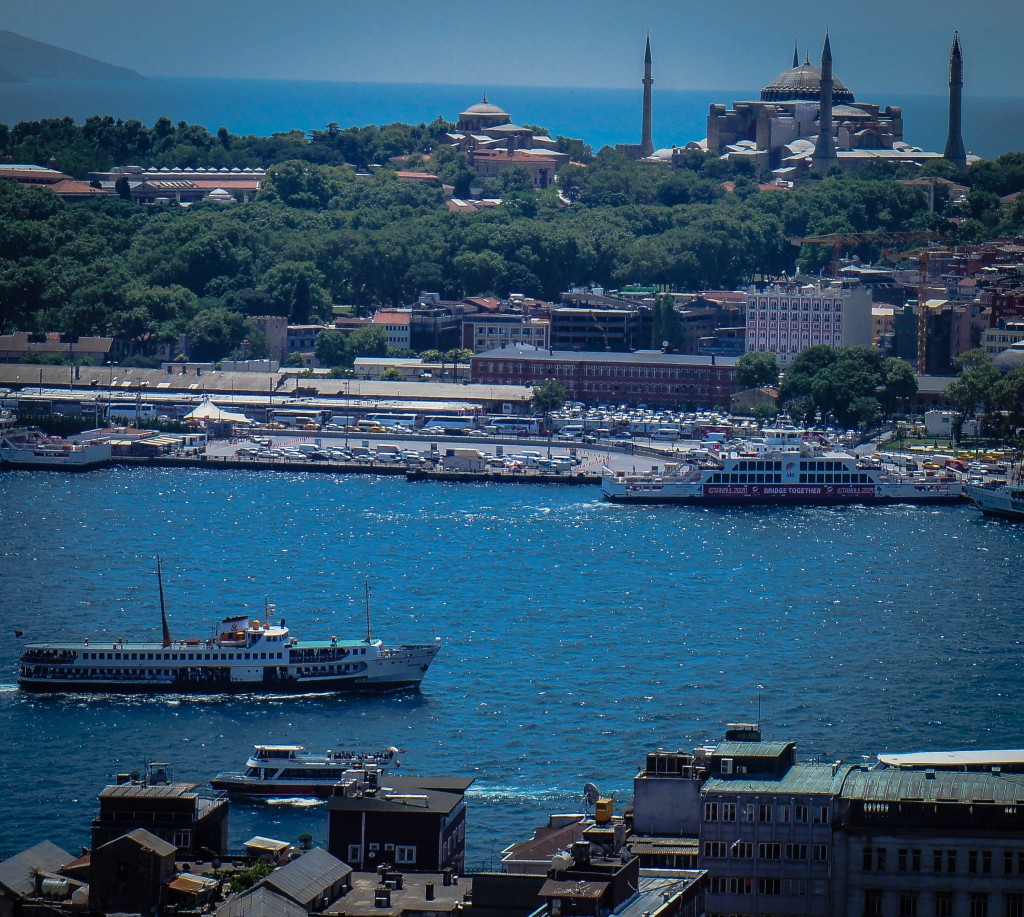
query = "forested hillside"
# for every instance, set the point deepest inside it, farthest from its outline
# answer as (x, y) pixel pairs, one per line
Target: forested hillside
(320, 235)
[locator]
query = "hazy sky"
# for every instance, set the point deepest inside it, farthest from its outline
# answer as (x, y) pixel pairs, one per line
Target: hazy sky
(878, 45)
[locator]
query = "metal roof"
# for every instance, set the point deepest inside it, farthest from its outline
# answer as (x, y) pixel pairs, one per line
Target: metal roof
(428, 795)
(307, 876)
(949, 759)
(16, 872)
(166, 790)
(526, 352)
(893, 785)
(751, 749)
(262, 902)
(573, 888)
(799, 780)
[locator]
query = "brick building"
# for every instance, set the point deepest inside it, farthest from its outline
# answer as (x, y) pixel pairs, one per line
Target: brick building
(652, 378)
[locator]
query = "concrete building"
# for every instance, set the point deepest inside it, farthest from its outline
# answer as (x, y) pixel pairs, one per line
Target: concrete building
(929, 841)
(649, 377)
(417, 824)
(193, 823)
(397, 324)
(541, 165)
(313, 880)
(995, 340)
(766, 830)
(131, 873)
(605, 329)
(489, 332)
(14, 347)
(787, 318)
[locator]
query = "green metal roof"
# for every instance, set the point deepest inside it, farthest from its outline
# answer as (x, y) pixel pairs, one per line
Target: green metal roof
(750, 749)
(799, 780)
(892, 785)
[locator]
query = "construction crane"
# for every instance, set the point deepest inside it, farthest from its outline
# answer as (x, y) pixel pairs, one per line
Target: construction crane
(841, 240)
(921, 255)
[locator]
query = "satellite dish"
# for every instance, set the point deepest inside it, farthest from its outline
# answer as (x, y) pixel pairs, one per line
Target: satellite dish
(591, 794)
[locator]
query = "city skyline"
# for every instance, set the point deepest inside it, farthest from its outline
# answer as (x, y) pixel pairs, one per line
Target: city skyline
(598, 44)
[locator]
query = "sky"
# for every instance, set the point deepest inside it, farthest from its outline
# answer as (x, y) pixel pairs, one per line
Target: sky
(696, 44)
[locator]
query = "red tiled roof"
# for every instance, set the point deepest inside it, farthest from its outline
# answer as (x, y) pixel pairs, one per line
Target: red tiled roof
(384, 317)
(418, 176)
(514, 157)
(70, 188)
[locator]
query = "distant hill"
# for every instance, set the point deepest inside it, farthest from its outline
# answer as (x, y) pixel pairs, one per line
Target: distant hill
(27, 59)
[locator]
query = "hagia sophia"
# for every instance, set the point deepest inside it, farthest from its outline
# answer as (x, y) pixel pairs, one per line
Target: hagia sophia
(806, 121)
(806, 117)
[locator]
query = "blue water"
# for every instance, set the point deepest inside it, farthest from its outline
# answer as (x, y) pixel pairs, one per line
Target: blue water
(599, 116)
(578, 635)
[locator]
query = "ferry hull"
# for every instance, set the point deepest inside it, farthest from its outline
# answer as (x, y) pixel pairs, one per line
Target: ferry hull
(804, 496)
(289, 686)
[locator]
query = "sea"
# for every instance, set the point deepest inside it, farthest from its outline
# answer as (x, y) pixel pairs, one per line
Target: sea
(599, 116)
(577, 635)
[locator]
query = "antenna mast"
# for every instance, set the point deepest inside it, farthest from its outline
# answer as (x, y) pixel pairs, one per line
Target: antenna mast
(163, 608)
(367, 586)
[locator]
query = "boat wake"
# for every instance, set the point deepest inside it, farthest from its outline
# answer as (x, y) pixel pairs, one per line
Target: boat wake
(297, 802)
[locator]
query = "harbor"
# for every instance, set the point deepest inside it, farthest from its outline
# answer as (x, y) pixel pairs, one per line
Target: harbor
(846, 617)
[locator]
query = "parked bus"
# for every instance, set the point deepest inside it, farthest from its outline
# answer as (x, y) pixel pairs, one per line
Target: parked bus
(448, 422)
(297, 417)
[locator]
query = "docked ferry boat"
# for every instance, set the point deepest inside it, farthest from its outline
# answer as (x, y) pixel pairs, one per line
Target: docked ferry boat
(1004, 500)
(240, 657)
(291, 771)
(31, 449)
(786, 466)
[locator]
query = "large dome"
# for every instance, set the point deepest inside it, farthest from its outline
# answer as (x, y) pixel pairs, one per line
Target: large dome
(803, 83)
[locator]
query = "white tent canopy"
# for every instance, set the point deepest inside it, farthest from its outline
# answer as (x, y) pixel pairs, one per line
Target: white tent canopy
(209, 411)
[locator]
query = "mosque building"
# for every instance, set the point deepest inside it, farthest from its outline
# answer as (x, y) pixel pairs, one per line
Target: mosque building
(808, 120)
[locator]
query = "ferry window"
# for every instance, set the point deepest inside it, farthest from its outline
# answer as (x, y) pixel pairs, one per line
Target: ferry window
(191, 655)
(174, 655)
(117, 655)
(248, 655)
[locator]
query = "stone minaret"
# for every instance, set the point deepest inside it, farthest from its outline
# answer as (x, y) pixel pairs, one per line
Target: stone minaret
(825, 149)
(796, 55)
(646, 142)
(955, 151)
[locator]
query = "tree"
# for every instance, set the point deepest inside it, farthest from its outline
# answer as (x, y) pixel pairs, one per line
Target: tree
(899, 384)
(548, 395)
(756, 369)
(294, 360)
(332, 348)
(368, 341)
(392, 375)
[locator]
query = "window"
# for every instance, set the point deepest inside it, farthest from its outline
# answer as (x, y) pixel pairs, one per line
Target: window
(743, 850)
(821, 815)
(796, 851)
(874, 859)
(908, 904)
(769, 886)
(1013, 904)
(405, 854)
(872, 902)
(726, 765)
(800, 811)
(711, 811)
(819, 853)
(978, 904)
(943, 904)
(714, 849)
(728, 811)
(355, 854)
(764, 812)
(769, 851)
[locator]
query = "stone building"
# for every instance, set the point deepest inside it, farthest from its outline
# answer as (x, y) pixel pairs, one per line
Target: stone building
(781, 131)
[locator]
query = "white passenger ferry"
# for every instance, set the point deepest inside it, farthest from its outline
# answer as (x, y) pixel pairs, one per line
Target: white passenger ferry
(241, 656)
(290, 771)
(31, 449)
(785, 466)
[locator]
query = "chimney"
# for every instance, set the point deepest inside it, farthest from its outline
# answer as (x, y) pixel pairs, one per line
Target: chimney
(429, 892)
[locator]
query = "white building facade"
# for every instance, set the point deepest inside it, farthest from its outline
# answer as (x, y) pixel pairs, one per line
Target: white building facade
(788, 318)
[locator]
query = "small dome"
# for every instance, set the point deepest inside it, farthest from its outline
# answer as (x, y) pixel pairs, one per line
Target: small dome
(484, 108)
(803, 83)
